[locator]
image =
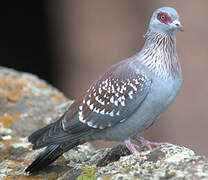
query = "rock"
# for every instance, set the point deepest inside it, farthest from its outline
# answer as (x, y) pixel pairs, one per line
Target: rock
(28, 103)
(113, 155)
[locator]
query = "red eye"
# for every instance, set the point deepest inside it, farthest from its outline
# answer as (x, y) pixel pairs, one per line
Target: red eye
(164, 17)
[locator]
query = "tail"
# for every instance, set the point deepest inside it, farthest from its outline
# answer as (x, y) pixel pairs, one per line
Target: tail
(55, 134)
(58, 139)
(50, 154)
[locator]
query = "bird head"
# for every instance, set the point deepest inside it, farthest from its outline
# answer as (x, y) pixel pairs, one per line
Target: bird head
(165, 20)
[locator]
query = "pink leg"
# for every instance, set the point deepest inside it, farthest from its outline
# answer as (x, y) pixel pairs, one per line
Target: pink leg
(131, 147)
(147, 143)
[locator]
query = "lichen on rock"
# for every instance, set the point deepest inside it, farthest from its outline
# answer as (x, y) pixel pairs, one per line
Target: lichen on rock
(28, 103)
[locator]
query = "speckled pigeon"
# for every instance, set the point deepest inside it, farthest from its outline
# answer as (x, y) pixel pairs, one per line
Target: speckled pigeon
(124, 101)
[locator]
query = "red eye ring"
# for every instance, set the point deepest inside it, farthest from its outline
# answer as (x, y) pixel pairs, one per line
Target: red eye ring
(164, 17)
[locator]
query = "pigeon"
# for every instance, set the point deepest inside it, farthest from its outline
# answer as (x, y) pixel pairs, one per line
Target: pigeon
(124, 101)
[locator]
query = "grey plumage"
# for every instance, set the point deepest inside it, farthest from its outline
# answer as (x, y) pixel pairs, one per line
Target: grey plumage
(125, 100)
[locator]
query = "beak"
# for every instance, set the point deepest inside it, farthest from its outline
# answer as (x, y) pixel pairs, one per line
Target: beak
(178, 25)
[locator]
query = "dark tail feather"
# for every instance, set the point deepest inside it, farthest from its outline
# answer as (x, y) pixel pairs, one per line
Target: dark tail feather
(50, 154)
(56, 126)
(49, 135)
(37, 134)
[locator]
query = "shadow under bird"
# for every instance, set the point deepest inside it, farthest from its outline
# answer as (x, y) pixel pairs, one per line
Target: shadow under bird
(124, 101)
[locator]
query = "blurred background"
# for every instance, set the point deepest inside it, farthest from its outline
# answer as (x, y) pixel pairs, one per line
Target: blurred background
(70, 42)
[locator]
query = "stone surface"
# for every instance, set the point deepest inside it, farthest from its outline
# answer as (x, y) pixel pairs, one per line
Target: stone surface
(28, 103)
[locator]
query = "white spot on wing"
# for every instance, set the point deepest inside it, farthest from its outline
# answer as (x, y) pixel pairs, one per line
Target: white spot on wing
(101, 102)
(89, 123)
(95, 126)
(123, 103)
(112, 99)
(81, 118)
(88, 102)
(118, 113)
(136, 81)
(130, 94)
(135, 88)
(102, 112)
(91, 106)
(116, 103)
(111, 113)
(120, 99)
(80, 113)
(96, 110)
(123, 97)
(97, 98)
(100, 90)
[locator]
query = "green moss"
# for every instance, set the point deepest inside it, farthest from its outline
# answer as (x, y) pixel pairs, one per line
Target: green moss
(87, 174)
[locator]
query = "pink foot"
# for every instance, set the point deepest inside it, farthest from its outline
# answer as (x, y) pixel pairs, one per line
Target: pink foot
(131, 147)
(148, 144)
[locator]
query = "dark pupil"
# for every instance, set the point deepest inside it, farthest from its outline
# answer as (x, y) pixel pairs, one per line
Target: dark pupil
(163, 17)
